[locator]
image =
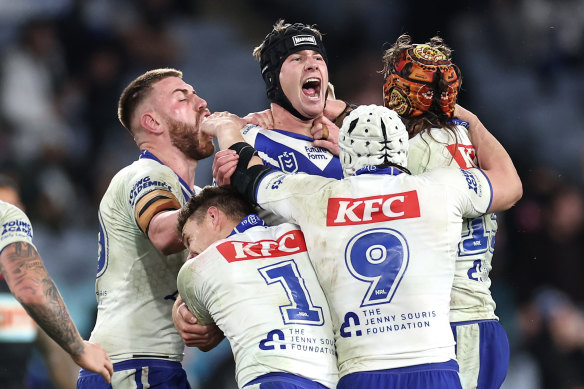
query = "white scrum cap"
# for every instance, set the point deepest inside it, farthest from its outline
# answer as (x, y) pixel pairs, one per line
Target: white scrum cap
(372, 135)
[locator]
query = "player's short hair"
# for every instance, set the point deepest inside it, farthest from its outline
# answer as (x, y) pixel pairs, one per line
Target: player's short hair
(225, 198)
(138, 90)
(422, 83)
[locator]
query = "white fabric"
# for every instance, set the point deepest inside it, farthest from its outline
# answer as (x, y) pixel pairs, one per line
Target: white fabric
(136, 284)
(15, 226)
(471, 296)
(250, 291)
(384, 257)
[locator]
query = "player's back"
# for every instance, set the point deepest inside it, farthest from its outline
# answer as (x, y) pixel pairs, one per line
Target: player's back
(136, 283)
(383, 248)
(261, 290)
(471, 297)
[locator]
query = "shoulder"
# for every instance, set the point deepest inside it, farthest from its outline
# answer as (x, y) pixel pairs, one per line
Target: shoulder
(9, 212)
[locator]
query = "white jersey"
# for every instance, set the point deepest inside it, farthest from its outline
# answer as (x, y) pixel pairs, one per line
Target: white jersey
(15, 226)
(383, 248)
(471, 296)
(136, 283)
(259, 287)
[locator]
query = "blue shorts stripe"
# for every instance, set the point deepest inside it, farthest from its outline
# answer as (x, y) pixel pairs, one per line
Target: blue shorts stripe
(432, 375)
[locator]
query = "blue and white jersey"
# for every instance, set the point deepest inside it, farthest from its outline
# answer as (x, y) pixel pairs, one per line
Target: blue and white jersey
(136, 284)
(259, 287)
(292, 153)
(383, 248)
(471, 295)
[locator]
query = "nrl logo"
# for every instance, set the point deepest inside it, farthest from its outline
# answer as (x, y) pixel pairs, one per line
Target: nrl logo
(303, 39)
(288, 162)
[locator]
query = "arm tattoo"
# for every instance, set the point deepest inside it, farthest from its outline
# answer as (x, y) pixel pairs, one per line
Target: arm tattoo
(32, 286)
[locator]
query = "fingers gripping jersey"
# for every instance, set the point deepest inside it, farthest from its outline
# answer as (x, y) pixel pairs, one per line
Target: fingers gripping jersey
(471, 295)
(261, 290)
(384, 257)
(136, 283)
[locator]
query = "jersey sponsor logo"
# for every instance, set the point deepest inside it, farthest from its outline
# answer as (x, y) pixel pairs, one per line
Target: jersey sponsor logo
(471, 180)
(288, 162)
(146, 183)
(17, 226)
(317, 153)
(347, 211)
(464, 155)
(303, 39)
(290, 243)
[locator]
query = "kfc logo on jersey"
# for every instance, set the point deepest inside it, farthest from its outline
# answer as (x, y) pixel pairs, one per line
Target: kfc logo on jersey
(290, 243)
(464, 155)
(346, 211)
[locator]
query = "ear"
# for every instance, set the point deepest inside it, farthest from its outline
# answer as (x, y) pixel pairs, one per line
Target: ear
(149, 121)
(214, 216)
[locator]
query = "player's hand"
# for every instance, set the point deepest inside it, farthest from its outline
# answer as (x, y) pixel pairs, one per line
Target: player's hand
(221, 121)
(325, 134)
(264, 119)
(224, 165)
(464, 114)
(204, 337)
(95, 359)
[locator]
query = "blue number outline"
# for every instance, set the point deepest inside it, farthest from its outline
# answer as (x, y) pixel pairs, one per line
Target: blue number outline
(374, 281)
(477, 231)
(293, 290)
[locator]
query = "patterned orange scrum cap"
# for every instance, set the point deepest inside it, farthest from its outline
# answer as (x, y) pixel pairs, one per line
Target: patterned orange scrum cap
(412, 82)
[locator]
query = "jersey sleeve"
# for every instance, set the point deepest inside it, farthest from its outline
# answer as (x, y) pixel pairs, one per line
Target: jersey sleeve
(471, 189)
(153, 191)
(288, 194)
(191, 287)
(15, 226)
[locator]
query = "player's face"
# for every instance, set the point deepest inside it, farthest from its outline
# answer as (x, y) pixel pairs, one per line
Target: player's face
(304, 79)
(190, 140)
(183, 110)
(197, 236)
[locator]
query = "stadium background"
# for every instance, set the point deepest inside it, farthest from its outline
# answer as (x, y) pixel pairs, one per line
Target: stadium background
(64, 63)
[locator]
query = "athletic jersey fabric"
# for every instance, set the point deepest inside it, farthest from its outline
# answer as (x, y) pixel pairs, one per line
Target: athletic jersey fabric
(292, 153)
(471, 295)
(259, 287)
(383, 249)
(136, 283)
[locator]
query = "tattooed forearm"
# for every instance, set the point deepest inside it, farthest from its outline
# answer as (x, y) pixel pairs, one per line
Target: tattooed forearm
(30, 283)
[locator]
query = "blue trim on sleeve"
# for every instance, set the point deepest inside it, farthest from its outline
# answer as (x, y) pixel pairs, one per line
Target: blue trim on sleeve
(490, 187)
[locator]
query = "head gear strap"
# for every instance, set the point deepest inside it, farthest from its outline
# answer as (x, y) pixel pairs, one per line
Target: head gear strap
(277, 47)
(414, 79)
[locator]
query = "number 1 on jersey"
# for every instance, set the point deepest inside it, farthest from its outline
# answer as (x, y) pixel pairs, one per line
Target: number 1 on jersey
(301, 310)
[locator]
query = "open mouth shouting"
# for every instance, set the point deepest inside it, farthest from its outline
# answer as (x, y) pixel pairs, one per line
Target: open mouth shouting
(311, 88)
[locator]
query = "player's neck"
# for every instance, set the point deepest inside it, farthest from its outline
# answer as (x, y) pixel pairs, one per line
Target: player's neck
(175, 160)
(284, 120)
